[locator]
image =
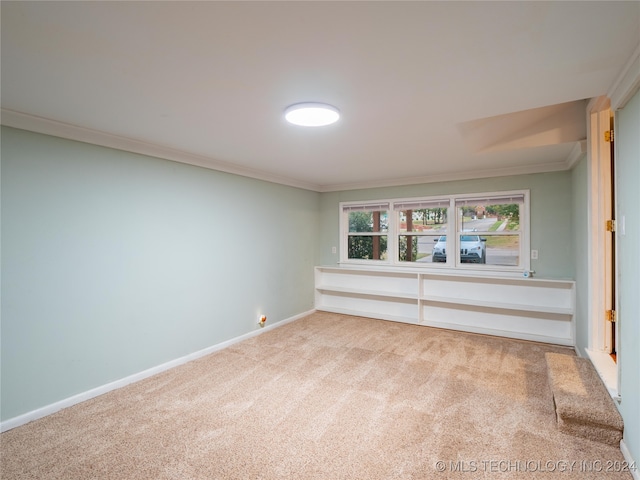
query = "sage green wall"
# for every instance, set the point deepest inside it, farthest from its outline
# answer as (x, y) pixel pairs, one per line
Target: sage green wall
(551, 204)
(628, 252)
(580, 236)
(113, 263)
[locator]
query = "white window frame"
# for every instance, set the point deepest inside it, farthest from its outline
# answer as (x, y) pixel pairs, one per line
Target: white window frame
(404, 204)
(453, 261)
(345, 208)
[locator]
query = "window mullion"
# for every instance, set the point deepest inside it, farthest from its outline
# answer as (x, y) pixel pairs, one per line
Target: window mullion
(392, 243)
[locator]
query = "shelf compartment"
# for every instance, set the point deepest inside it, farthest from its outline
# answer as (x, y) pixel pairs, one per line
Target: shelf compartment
(554, 297)
(368, 293)
(381, 316)
(399, 309)
(534, 309)
(390, 282)
(549, 328)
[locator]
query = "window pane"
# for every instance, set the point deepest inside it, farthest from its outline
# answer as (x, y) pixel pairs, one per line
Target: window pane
(481, 217)
(419, 248)
(367, 221)
(365, 247)
(502, 249)
(428, 220)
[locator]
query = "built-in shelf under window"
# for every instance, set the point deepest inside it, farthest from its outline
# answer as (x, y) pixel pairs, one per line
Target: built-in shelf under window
(525, 308)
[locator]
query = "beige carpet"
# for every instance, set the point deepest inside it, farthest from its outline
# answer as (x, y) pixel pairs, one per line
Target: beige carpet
(325, 397)
(583, 405)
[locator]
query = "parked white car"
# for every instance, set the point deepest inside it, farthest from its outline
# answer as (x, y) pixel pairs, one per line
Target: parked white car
(439, 253)
(472, 249)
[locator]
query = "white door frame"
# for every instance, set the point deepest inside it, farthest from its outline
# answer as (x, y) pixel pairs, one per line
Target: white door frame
(599, 112)
(599, 168)
(599, 208)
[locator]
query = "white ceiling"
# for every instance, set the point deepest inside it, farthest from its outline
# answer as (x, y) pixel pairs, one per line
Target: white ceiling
(426, 89)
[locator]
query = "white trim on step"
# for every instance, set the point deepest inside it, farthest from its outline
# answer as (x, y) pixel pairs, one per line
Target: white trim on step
(635, 473)
(81, 397)
(607, 370)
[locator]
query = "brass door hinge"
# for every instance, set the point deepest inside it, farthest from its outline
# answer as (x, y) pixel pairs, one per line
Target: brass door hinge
(608, 136)
(610, 226)
(610, 316)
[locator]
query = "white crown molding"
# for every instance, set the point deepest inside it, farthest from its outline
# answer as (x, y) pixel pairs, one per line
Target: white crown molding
(597, 104)
(54, 128)
(450, 177)
(577, 153)
(627, 83)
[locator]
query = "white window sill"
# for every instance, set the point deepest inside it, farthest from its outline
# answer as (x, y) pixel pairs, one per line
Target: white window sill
(607, 370)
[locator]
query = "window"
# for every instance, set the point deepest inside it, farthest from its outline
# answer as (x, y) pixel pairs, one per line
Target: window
(465, 232)
(419, 225)
(489, 229)
(367, 231)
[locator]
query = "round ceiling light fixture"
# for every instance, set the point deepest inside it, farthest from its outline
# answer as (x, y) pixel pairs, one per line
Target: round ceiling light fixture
(312, 114)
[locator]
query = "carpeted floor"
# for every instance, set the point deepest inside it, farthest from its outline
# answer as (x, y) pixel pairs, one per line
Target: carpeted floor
(325, 397)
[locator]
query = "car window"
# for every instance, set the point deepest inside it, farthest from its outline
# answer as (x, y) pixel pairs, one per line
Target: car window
(469, 238)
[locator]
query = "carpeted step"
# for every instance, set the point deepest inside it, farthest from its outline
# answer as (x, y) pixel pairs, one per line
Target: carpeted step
(583, 405)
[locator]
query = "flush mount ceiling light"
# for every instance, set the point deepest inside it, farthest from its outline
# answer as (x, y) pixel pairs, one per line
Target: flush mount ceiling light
(312, 114)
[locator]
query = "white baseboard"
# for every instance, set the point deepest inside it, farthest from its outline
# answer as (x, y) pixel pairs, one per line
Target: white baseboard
(634, 467)
(94, 392)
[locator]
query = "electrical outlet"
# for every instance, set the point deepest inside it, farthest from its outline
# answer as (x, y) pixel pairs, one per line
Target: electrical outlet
(534, 254)
(333, 250)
